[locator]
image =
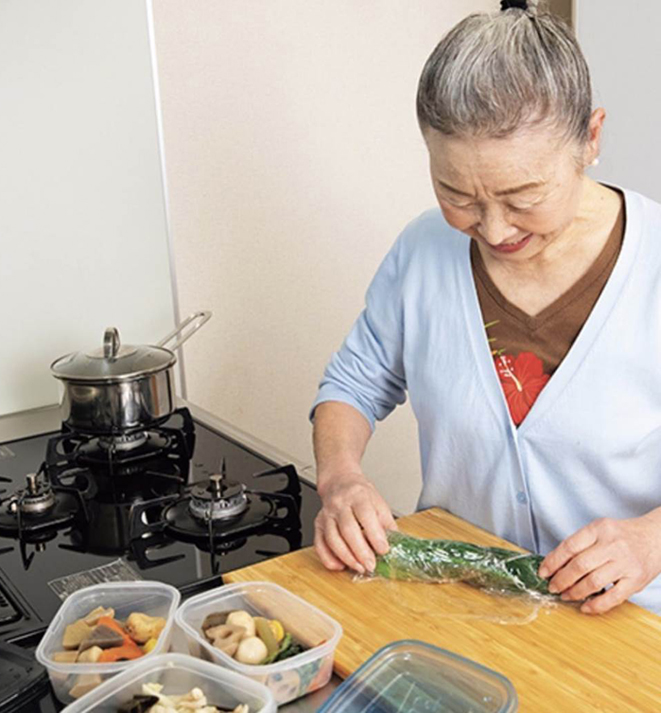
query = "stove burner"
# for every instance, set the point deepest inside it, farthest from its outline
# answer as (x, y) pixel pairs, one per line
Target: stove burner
(123, 451)
(123, 442)
(123, 454)
(219, 499)
(188, 517)
(38, 507)
(37, 498)
(179, 519)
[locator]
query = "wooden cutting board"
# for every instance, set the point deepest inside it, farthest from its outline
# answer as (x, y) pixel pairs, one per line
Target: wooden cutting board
(560, 660)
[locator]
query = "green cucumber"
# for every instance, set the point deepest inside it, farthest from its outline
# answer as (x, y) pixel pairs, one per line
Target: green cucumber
(415, 559)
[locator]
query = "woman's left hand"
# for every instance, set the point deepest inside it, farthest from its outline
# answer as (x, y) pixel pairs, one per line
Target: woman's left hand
(624, 553)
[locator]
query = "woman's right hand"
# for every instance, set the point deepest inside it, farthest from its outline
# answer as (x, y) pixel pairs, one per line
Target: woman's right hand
(351, 526)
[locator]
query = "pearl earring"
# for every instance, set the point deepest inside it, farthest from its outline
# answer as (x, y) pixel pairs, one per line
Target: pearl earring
(595, 162)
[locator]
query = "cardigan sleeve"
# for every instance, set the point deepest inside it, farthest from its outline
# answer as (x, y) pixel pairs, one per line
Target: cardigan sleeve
(368, 371)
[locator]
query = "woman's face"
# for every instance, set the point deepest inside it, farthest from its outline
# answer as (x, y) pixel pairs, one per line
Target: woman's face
(515, 196)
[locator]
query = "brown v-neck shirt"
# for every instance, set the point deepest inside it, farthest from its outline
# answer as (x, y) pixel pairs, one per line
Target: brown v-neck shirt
(527, 350)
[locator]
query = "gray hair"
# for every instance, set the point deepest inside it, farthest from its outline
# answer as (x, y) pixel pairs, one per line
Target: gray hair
(495, 73)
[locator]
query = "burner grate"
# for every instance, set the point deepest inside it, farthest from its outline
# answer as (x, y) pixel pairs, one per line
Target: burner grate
(271, 511)
(122, 454)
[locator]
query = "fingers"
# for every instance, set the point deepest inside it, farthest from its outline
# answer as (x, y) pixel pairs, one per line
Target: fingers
(373, 529)
(354, 536)
(328, 559)
(337, 542)
(612, 598)
(567, 549)
(584, 564)
(386, 518)
(593, 582)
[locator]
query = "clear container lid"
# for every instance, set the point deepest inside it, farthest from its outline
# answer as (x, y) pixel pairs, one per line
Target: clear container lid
(113, 361)
(414, 676)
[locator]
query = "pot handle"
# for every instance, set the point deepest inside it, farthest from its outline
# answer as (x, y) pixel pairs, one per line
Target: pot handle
(111, 343)
(199, 318)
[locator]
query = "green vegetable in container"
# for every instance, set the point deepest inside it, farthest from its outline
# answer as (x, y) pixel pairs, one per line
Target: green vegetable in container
(415, 559)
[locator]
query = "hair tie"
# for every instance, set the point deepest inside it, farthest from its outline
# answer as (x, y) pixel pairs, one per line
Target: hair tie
(507, 4)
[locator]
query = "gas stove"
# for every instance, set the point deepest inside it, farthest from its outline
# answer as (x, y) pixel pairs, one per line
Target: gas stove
(182, 503)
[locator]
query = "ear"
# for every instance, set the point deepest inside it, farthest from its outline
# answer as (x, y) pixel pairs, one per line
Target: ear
(593, 146)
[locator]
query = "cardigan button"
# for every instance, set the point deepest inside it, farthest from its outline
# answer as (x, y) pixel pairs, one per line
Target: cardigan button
(521, 497)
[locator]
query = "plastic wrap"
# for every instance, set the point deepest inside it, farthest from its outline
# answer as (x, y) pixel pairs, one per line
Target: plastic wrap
(493, 568)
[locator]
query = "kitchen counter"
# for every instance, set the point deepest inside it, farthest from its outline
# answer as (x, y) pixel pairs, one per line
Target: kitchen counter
(315, 700)
(556, 658)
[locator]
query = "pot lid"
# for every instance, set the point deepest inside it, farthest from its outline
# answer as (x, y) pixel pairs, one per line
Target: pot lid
(113, 361)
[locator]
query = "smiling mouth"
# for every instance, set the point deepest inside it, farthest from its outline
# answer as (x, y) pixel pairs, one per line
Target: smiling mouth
(512, 247)
(516, 242)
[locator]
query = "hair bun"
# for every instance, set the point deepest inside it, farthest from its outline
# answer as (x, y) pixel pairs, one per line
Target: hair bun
(507, 4)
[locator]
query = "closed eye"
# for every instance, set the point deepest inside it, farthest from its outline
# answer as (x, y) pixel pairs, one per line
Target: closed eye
(522, 208)
(456, 204)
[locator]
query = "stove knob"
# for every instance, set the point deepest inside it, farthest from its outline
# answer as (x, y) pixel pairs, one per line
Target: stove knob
(216, 484)
(32, 483)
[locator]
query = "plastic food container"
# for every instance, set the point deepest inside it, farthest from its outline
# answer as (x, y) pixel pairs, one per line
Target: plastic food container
(413, 676)
(177, 673)
(151, 598)
(289, 679)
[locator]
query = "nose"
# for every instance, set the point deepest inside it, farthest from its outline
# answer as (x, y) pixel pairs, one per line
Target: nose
(495, 229)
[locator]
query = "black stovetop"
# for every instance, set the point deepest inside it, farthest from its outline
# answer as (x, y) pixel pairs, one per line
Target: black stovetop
(120, 533)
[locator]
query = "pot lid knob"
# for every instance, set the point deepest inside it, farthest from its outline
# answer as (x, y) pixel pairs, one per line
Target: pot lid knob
(111, 343)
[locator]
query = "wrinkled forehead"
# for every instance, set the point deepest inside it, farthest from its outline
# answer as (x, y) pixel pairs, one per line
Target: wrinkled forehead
(527, 155)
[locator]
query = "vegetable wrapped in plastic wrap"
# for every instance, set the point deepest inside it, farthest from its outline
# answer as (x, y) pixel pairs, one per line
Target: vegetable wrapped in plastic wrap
(415, 559)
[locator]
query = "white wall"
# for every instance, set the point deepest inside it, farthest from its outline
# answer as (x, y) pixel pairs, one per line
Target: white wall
(621, 41)
(83, 240)
(294, 160)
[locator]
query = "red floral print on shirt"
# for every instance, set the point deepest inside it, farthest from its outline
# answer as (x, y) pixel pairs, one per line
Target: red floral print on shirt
(522, 380)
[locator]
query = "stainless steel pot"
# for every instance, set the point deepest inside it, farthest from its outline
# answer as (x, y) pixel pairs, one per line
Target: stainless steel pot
(120, 388)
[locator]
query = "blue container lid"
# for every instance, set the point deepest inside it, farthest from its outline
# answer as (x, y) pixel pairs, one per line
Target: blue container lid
(415, 677)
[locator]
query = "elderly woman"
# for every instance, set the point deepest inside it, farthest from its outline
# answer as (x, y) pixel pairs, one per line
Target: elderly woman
(522, 318)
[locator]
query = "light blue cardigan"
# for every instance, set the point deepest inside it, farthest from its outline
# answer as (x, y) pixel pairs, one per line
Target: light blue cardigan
(591, 445)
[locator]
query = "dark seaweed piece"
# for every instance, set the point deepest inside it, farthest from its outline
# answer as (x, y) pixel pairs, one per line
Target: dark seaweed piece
(138, 704)
(293, 650)
(102, 636)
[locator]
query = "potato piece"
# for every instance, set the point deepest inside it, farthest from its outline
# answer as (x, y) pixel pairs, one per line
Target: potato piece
(65, 656)
(142, 627)
(85, 683)
(92, 619)
(252, 650)
(242, 618)
(90, 655)
(75, 633)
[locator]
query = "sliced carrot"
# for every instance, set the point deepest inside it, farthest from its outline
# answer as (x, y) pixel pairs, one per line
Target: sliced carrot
(121, 653)
(116, 626)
